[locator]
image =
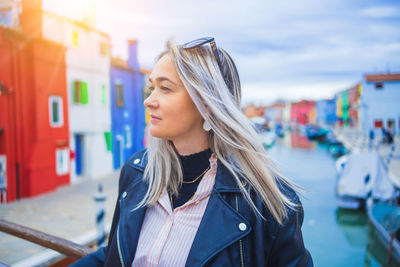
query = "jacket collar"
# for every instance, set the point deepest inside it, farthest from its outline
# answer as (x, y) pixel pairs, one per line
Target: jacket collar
(224, 181)
(218, 229)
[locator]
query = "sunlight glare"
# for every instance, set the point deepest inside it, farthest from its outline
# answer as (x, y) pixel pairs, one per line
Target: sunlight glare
(79, 10)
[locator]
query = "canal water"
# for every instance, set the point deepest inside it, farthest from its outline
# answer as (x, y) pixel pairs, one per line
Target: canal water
(334, 237)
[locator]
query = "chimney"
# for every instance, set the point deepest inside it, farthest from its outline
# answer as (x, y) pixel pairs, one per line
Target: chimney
(133, 62)
(31, 17)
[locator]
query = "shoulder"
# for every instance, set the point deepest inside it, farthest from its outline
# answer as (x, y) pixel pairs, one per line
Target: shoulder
(288, 191)
(133, 169)
(138, 160)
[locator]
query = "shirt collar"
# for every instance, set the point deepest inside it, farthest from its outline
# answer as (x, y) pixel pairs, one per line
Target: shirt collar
(224, 180)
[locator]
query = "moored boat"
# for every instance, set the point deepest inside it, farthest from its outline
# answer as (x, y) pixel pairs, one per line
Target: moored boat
(386, 220)
(364, 175)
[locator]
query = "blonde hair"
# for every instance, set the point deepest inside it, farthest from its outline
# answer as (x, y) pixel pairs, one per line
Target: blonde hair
(217, 93)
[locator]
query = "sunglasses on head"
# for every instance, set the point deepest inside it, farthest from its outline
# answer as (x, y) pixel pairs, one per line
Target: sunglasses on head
(202, 41)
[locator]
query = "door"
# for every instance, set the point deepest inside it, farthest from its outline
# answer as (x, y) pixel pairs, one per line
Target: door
(79, 145)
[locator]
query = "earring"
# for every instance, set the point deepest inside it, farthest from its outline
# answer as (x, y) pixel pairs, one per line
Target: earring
(206, 126)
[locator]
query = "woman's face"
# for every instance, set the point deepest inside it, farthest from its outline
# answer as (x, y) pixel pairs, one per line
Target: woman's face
(173, 115)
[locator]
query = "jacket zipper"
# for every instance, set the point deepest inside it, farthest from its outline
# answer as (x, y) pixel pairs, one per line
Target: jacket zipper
(240, 241)
(119, 249)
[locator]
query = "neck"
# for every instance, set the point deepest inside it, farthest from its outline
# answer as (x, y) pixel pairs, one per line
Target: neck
(192, 145)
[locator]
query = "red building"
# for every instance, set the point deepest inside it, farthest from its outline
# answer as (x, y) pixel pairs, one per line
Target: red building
(34, 129)
(303, 112)
(353, 99)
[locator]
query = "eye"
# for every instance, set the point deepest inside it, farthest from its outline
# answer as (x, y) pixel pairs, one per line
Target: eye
(150, 88)
(165, 89)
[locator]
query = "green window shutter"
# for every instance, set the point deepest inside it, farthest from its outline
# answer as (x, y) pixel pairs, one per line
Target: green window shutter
(74, 92)
(55, 111)
(84, 93)
(103, 94)
(107, 136)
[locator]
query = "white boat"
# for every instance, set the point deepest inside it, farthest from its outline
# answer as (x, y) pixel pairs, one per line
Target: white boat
(364, 175)
(340, 163)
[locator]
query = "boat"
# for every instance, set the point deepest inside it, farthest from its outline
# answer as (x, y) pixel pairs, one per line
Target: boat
(385, 218)
(316, 133)
(364, 175)
(267, 138)
(340, 163)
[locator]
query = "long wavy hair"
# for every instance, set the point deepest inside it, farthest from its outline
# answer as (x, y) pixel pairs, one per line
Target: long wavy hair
(216, 92)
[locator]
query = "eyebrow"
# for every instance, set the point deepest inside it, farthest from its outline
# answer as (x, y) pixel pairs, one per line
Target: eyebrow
(160, 79)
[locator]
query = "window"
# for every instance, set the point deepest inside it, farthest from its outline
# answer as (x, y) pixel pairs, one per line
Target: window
(3, 173)
(103, 94)
(62, 161)
(75, 38)
(80, 92)
(128, 136)
(378, 85)
(107, 137)
(378, 124)
(56, 111)
(120, 94)
(103, 48)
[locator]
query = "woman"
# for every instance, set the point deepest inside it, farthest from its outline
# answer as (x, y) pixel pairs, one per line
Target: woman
(204, 193)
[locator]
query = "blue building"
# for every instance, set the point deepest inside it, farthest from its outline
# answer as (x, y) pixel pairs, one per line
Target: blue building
(326, 113)
(127, 110)
(379, 104)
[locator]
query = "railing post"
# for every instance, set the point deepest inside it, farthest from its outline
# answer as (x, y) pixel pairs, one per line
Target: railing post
(100, 198)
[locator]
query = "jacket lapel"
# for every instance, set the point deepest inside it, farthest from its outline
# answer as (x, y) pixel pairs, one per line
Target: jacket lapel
(131, 220)
(219, 227)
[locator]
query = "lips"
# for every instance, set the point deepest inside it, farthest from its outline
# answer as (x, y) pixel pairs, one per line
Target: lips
(153, 117)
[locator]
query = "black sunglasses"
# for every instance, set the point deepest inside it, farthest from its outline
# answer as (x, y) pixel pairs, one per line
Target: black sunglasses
(202, 41)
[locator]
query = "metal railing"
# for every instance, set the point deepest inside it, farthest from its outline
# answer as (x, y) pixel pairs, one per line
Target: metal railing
(63, 246)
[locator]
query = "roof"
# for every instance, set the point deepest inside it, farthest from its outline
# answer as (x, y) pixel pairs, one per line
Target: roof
(145, 71)
(384, 77)
(120, 63)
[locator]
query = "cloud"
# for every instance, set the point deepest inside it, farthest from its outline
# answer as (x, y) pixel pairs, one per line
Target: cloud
(276, 44)
(381, 12)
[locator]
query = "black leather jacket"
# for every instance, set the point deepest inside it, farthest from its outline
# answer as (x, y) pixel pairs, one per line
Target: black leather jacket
(230, 233)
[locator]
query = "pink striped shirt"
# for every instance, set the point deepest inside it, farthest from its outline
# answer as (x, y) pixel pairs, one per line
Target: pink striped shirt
(167, 235)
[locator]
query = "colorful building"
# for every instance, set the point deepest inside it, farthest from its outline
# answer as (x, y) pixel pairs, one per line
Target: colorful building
(379, 104)
(88, 81)
(34, 130)
(326, 113)
(128, 118)
(303, 112)
(347, 106)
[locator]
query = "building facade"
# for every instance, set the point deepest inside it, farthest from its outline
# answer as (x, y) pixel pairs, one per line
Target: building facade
(88, 81)
(326, 113)
(379, 103)
(303, 112)
(128, 115)
(34, 130)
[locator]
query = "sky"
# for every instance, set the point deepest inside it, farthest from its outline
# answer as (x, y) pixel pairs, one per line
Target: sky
(284, 50)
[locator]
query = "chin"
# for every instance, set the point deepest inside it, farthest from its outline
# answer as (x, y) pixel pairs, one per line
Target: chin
(157, 133)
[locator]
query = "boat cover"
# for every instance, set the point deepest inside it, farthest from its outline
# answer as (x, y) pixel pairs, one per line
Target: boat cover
(365, 174)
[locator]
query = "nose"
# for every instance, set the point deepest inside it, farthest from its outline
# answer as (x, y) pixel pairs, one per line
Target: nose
(150, 102)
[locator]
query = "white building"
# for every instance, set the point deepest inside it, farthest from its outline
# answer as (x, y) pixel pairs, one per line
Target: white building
(88, 79)
(380, 103)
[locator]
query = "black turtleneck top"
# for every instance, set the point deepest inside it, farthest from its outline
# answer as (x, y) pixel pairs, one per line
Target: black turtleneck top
(193, 165)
